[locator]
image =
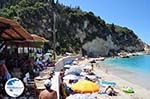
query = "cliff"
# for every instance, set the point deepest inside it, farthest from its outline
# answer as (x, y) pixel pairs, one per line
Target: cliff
(75, 29)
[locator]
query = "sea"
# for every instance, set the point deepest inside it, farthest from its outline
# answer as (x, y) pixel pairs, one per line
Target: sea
(135, 69)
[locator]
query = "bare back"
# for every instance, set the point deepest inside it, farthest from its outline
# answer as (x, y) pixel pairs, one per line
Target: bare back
(45, 94)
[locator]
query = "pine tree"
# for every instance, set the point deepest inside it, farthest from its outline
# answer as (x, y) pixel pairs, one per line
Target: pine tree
(53, 1)
(113, 27)
(57, 2)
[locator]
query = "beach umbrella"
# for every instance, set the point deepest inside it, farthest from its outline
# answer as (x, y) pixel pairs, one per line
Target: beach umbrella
(76, 59)
(85, 86)
(67, 66)
(71, 66)
(82, 96)
(68, 62)
(75, 62)
(46, 56)
(82, 65)
(83, 73)
(71, 77)
(87, 67)
(73, 70)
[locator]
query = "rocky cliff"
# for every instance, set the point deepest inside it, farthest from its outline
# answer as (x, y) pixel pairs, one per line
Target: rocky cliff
(75, 29)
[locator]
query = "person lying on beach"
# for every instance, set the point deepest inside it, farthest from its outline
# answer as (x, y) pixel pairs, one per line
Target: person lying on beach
(86, 78)
(110, 91)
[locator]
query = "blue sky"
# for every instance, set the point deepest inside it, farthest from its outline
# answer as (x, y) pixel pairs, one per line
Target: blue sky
(134, 14)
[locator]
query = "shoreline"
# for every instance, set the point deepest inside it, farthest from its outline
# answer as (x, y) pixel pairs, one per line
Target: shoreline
(140, 92)
(99, 70)
(134, 76)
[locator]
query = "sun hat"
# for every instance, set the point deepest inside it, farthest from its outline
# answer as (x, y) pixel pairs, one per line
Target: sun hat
(47, 83)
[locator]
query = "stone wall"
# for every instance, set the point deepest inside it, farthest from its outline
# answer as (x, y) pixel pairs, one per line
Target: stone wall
(60, 63)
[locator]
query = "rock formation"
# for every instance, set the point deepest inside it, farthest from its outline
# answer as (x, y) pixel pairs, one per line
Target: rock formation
(75, 29)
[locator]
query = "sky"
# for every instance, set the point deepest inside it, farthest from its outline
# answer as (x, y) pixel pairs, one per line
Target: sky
(134, 14)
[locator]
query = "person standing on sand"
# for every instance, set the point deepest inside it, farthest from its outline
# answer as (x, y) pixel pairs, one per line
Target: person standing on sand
(92, 67)
(106, 71)
(48, 93)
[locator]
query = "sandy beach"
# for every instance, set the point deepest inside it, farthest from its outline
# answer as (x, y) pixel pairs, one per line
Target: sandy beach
(140, 92)
(130, 76)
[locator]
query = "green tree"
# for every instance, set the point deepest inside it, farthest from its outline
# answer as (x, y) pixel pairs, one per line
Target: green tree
(112, 27)
(57, 2)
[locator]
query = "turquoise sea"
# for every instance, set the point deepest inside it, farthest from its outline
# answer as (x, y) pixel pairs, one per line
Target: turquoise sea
(134, 69)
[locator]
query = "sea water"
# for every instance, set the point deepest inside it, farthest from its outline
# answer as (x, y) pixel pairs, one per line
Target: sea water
(135, 69)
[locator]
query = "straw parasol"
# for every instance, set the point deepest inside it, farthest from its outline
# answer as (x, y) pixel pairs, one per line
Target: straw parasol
(37, 38)
(11, 30)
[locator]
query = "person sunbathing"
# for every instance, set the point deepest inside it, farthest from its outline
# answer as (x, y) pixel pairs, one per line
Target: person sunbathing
(110, 91)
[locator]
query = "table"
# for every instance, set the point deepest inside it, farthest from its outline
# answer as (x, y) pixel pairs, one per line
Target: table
(44, 75)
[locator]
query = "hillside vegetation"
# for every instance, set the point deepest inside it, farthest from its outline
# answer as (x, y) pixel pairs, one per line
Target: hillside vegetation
(75, 29)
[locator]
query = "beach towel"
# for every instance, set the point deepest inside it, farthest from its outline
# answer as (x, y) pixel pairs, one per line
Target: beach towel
(107, 83)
